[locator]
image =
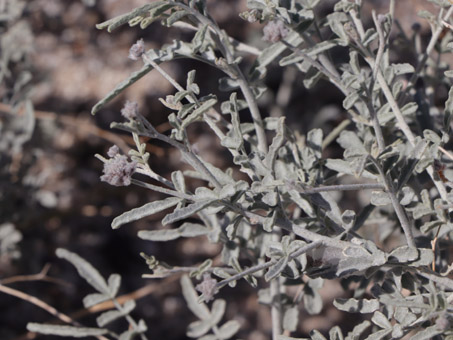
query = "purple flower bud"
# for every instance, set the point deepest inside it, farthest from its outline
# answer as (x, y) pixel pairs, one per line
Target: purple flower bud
(113, 151)
(207, 287)
(137, 50)
(130, 110)
(118, 170)
(274, 31)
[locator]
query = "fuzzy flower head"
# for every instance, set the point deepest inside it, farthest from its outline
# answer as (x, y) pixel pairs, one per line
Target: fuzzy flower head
(118, 170)
(130, 110)
(274, 31)
(137, 50)
(207, 287)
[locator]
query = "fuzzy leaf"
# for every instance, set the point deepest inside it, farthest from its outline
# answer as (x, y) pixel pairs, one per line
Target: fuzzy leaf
(134, 76)
(197, 329)
(381, 320)
(191, 297)
(93, 299)
(228, 329)
(114, 282)
(159, 235)
(75, 332)
(357, 306)
(196, 114)
(85, 270)
(217, 311)
(291, 319)
(116, 22)
(358, 330)
(145, 210)
(276, 269)
(110, 316)
(182, 213)
(428, 333)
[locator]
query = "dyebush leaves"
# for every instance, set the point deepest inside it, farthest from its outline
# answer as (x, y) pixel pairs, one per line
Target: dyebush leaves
(182, 213)
(110, 316)
(357, 306)
(116, 22)
(228, 329)
(145, 210)
(75, 332)
(191, 297)
(85, 270)
(93, 299)
(134, 76)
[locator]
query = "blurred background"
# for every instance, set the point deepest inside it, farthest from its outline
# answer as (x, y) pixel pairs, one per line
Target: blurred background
(54, 66)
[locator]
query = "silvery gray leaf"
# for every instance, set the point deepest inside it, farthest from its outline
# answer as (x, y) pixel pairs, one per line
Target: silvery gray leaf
(217, 311)
(379, 335)
(197, 329)
(336, 21)
(228, 329)
(357, 306)
(335, 333)
(270, 198)
(85, 270)
(404, 68)
(112, 315)
(71, 331)
(316, 335)
(191, 297)
(208, 337)
(314, 141)
(135, 76)
(358, 330)
(348, 219)
(427, 333)
(404, 254)
(370, 36)
(426, 258)
(145, 210)
(312, 78)
(93, 299)
(311, 298)
(352, 144)
(178, 180)
(344, 167)
(269, 54)
(159, 235)
(174, 17)
(448, 112)
(116, 22)
(269, 223)
(291, 319)
(114, 282)
(350, 100)
(198, 112)
(381, 320)
(180, 214)
(276, 269)
(380, 198)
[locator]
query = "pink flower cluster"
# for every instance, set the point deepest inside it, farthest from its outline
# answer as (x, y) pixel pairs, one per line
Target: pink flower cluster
(118, 170)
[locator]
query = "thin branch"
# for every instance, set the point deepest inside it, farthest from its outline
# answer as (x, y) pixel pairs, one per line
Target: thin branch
(335, 133)
(41, 276)
(189, 156)
(339, 187)
(41, 304)
(161, 189)
(399, 210)
(268, 264)
(243, 84)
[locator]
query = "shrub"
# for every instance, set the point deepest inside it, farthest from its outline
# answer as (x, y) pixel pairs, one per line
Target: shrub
(278, 212)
